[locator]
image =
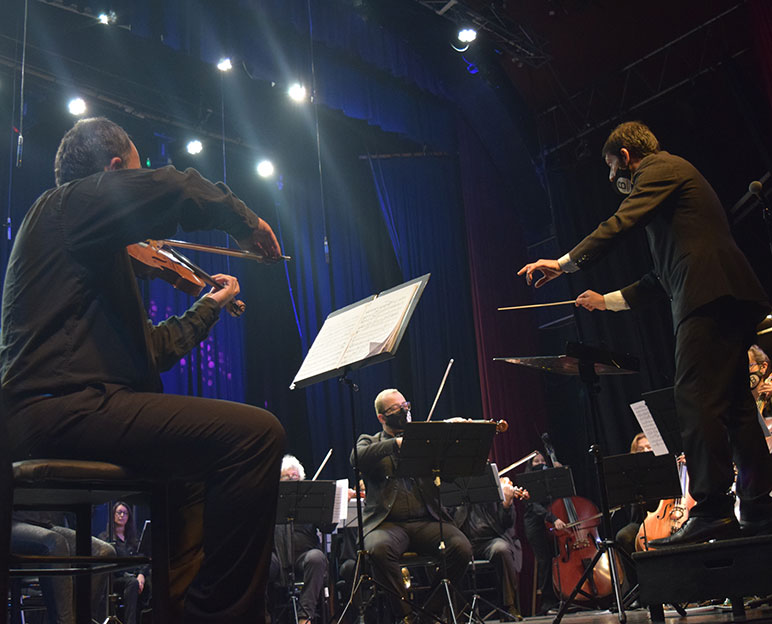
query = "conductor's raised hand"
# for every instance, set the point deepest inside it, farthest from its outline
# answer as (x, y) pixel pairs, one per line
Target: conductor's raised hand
(549, 269)
(591, 300)
(262, 241)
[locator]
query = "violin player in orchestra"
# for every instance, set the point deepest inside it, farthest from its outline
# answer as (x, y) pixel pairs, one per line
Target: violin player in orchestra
(401, 514)
(491, 529)
(302, 551)
(80, 363)
(716, 302)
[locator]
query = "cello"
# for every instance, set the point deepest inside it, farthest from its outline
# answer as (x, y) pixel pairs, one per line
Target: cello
(577, 546)
(670, 515)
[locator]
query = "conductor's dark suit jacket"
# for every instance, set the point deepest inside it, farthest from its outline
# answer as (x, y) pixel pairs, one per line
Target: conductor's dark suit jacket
(378, 457)
(696, 260)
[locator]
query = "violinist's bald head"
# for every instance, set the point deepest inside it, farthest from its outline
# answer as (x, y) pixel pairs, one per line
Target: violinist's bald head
(93, 145)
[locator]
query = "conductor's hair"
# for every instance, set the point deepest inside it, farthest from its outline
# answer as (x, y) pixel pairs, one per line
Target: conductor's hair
(381, 399)
(635, 137)
(88, 147)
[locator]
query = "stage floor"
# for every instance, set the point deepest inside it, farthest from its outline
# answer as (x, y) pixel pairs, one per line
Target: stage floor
(696, 615)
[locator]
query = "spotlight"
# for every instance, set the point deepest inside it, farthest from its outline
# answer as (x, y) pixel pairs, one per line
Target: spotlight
(76, 106)
(467, 35)
(265, 169)
(195, 146)
(107, 18)
(225, 64)
(297, 92)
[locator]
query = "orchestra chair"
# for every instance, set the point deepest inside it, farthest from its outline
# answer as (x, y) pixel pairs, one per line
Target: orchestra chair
(75, 486)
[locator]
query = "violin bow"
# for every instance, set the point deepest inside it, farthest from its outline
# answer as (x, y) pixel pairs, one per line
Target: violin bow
(224, 251)
(439, 392)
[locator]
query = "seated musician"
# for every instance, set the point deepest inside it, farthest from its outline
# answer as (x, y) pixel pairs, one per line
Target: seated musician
(307, 559)
(490, 528)
(401, 514)
(760, 373)
(625, 537)
(536, 515)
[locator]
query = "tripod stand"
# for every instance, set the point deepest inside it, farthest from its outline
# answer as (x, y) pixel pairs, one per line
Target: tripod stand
(588, 363)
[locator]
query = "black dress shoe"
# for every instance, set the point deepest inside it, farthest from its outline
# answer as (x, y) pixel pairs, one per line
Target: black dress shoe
(751, 528)
(698, 529)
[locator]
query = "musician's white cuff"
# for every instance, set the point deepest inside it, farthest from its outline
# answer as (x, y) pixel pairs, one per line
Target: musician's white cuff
(615, 301)
(568, 265)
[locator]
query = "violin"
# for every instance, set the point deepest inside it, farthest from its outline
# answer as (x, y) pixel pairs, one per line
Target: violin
(153, 259)
(577, 546)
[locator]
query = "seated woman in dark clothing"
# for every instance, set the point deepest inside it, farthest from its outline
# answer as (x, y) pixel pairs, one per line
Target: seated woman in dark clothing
(132, 585)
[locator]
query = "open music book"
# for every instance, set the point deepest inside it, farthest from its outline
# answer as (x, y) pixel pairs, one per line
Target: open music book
(360, 334)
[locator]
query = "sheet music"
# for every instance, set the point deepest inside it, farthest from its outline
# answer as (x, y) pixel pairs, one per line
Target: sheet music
(340, 507)
(331, 342)
(378, 325)
(649, 427)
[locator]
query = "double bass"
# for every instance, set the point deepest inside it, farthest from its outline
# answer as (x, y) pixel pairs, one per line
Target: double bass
(577, 546)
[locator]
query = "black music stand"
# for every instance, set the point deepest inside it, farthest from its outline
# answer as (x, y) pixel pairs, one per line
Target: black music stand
(466, 491)
(304, 502)
(588, 363)
(444, 451)
(548, 484)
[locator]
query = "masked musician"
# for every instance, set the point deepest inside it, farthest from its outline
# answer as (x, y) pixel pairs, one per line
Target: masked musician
(401, 513)
(760, 375)
(716, 302)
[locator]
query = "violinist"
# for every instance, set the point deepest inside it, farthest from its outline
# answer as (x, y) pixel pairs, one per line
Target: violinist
(490, 528)
(401, 513)
(536, 515)
(80, 363)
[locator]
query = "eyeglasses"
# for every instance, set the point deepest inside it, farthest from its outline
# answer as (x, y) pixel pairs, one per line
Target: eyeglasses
(121, 512)
(395, 408)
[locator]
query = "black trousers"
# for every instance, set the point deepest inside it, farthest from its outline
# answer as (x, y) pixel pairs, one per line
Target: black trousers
(719, 422)
(225, 457)
(311, 566)
(507, 558)
(390, 540)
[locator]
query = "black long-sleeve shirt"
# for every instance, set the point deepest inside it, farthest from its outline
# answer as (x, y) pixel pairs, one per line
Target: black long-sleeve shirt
(72, 313)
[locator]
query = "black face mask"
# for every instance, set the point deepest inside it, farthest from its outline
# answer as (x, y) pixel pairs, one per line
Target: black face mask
(755, 380)
(398, 420)
(623, 183)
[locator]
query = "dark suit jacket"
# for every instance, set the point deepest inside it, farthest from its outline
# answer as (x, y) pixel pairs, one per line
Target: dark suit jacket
(696, 260)
(378, 456)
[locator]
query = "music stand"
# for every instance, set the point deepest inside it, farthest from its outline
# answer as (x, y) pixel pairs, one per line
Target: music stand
(479, 490)
(588, 363)
(304, 502)
(358, 335)
(548, 484)
(444, 451)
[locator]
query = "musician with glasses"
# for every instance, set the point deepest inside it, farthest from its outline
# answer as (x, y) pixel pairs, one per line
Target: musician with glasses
(401, 514)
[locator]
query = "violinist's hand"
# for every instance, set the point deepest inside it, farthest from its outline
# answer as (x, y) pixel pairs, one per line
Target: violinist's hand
(590, 300)
(549, 269)
(262, 241)
(230, 288)
(508, 488)
(559, 525)
(765, 389)
(140, 582)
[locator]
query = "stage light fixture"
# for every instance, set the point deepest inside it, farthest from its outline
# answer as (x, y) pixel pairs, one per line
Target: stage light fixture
(195, 147)
(76, 106)
(225, 64)
(107, 18)
(467, 35)
(297, 92)
(265, 169)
